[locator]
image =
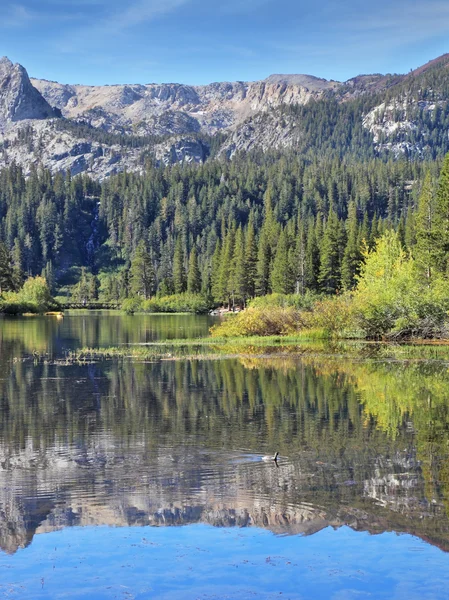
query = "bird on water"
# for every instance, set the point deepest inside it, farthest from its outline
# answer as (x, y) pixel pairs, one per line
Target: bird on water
(275, 457)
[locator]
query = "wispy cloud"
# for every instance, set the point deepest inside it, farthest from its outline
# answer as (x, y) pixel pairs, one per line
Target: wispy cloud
(16, 15)
(117, 20)
(398, 23)
(19, 16)
(240, 7)
(140, 12)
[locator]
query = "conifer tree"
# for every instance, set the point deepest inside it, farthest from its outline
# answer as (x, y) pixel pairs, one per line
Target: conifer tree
(6, 270)
(352, 257)
(441, 220)
(298, 258)
(225, 279)
(142, 277)
(17, 274)
(251, 260)
(49, 276)
(239, 274)
(330, 266)
(194, 275)
(215, 272)
(266, 242)
(426, 251)
(280, 274)
(179, 274)
(312, 259)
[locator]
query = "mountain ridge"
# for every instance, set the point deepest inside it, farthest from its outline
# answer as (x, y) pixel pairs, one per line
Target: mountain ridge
(391, 115)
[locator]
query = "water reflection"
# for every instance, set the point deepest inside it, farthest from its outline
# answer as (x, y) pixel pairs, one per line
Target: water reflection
(362, 443)
(94, 329)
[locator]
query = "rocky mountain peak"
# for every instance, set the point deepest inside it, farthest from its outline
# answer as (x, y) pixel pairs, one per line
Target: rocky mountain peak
(19, 100)
(314, 84)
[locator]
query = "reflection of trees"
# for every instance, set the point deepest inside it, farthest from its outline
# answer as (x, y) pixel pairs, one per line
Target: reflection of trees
(399, 396)
(168, 432)
(80, 329)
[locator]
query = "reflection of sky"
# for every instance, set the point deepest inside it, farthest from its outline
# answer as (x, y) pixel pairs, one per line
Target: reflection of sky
(200, 561)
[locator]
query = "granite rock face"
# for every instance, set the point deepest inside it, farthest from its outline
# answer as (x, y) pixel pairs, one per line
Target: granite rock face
(19, 100)
(211, 108)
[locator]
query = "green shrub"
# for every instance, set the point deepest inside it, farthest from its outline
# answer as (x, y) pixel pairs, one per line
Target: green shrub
(34, 297)
(274, 320)
(333, 316)
(132, 305)
(392, 299)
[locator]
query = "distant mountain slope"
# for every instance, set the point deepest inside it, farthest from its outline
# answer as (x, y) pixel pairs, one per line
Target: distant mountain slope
(19, 100)
(110, 128)
(136, 108)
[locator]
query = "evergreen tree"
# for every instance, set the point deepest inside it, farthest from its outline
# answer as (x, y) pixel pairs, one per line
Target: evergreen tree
(179, 274)
(18, 277)
(225, 279)
(441, 220)
(352, 257)
(426, 251)
(280, 274)
(6, 270)
(312, 259)
(49, 276)
(298, 259)
(142, 276)
(266, 243)
(251, 260)
(194, 275)
(239, 273)
(330, 265)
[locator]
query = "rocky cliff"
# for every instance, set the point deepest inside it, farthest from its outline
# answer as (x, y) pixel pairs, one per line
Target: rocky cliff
(19, 100)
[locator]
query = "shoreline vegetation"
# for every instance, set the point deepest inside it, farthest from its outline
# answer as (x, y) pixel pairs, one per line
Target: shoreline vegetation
(286, 265)
(273, 347)
(392, 300)
(33, 297)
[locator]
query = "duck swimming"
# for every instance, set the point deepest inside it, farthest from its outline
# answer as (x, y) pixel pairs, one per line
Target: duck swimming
(269, 458)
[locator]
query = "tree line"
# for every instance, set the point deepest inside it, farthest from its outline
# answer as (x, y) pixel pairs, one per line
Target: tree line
(231, 230)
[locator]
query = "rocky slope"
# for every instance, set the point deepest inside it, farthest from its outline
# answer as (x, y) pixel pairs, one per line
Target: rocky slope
(175, 108)
(106, 129)
(19, 100)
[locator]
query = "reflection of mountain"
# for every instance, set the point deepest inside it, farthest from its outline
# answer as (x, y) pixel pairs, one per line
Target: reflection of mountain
(178, 442)
(110, 484)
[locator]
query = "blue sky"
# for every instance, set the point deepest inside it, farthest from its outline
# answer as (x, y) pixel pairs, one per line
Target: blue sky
(199, 41)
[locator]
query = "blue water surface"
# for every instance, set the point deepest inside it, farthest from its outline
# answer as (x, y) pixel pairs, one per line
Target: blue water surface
(204, 562)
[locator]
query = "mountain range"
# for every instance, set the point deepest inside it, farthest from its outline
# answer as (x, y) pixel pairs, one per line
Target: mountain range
(107, 129)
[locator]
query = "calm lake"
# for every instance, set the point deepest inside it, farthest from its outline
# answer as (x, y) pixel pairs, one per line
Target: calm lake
(135, 480)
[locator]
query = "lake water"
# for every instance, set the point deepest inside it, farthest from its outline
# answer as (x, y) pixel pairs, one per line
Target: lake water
(122, 479)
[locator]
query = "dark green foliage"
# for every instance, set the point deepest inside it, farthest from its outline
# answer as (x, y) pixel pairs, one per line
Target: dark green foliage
(332, 249)
(179, 272)
(194, 275)
(281, 279)
(142, 276)
(6, 270)
(352, 257)
(59, 225)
